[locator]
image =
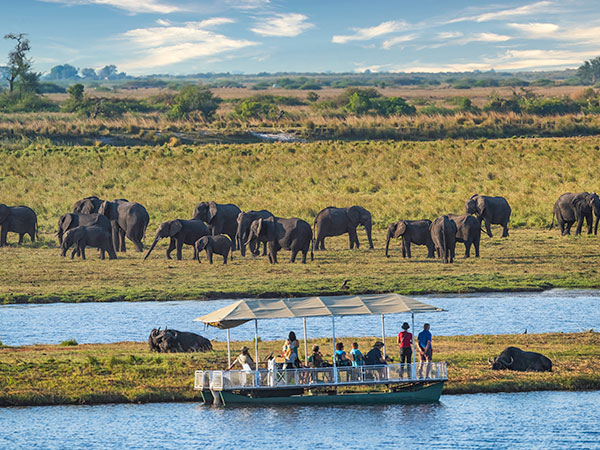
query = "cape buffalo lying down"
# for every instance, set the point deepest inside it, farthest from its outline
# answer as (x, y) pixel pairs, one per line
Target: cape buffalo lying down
(164, 341)
(514, 358)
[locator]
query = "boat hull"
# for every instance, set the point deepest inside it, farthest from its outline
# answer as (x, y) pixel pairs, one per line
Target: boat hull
(419, 393)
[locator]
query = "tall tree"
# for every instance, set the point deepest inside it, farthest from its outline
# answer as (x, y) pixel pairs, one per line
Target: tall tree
(18, 62)
(589, 71)
(63, 72)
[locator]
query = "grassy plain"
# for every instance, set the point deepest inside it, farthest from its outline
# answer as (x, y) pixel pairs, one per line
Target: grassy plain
(129, 372)
(394, 180)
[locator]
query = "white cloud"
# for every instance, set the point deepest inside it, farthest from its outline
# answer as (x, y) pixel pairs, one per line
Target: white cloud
(374, 68)
(133, 6)
(283, 25)
(247, 4)
(484, 37)
(389, 43)
(163, 46)
(506, 13)
(536, 29)
(365, 34)
(449, 34)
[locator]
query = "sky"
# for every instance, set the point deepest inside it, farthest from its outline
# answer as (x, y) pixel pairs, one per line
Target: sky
(143, 37)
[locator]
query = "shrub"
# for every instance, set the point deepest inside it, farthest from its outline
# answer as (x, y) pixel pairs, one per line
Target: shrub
(69, 343)
(193, 101)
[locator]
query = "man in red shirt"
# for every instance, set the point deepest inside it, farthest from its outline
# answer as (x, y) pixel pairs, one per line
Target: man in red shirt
(405, 345)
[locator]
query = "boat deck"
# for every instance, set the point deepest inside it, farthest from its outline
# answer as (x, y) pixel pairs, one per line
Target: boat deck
(328, 377)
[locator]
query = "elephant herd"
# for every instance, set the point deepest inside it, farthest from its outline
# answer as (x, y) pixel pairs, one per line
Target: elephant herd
(223, 228)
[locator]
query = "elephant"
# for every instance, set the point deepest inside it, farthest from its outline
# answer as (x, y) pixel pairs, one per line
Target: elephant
(221, 219)
(412, 231)
(244, 219)
(72, 220)
(17, 219)
(513, 358)
(181, 232)
(468, 230)
(571, 208)
(167, 340)
(332, 221)
(221, 245)
(443, 234)
(92, 236)
(290, 234)
(128, 219)
(88, 205)
(494, 210)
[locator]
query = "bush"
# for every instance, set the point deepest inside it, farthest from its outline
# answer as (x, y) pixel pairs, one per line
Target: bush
(50, 88)
(27, 102)
(70, 342)
(193, 101)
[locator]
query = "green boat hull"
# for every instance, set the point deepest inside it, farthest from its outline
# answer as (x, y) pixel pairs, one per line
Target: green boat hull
(415, 394)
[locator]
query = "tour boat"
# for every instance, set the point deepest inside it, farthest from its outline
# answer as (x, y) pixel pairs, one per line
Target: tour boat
(367, 384)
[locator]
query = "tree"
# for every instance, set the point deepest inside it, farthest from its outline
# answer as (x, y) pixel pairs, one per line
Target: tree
(194, 99)
(62, 72)
(107, 72)
(589, 71)
(18, 63)
(76, 92)
(89, 74)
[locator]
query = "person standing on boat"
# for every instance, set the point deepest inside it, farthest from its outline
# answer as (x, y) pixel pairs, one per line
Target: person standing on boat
(405, 340)
(290, 352)
(244, 360)
(425, 351)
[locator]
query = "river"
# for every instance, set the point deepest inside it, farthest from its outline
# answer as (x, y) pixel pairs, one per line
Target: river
(494, 313)
(534, 420)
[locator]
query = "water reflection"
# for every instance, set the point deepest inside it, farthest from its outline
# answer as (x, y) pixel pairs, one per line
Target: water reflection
(534, 420)
(556, 310)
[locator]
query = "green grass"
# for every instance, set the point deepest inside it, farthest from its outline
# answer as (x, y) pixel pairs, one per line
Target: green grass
(128, 372)
(393, 180)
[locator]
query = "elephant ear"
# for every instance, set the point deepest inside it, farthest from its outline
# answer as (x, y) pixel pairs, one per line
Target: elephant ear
(480, 205)
(66, 222)
(175, 227)
(212, 211)
(353, 214)
(103, 209)
(4, 212)
(259, 227)
(400, 229)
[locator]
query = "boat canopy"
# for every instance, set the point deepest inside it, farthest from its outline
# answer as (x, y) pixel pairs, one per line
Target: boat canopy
(244, 310)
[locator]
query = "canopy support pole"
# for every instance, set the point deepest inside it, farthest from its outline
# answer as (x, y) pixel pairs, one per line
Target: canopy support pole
(335, 374)
(305, 343)
(414, 369)
(383, 335)
(256, 351)
(228, 349)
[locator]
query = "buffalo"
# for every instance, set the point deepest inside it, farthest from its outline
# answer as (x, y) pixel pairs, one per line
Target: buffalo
(513, 358)
(168, 340)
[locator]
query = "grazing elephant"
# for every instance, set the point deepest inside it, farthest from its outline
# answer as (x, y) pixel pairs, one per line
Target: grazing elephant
(17, 219)
(468, 230)
(73, 220)
(181, 232)
(333, 221)
(221, 219)
(571, 208)
(290, 234)
(494, 210)
(443, 234)
(128, 219)
(244, 219)
(167, 341)
(412, 232)
(88, 205)
(92, 236)
(513, 358)
(221, 245)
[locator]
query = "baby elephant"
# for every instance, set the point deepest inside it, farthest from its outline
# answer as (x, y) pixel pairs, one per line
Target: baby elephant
(221, 245)
(92, 236)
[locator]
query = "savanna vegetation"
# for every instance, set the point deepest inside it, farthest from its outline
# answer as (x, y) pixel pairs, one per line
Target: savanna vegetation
(128, 372)
(394, 180)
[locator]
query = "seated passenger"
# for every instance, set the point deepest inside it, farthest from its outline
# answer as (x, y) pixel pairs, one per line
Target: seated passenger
(244, 358)
(340, 356)
(316, 359)
(356, 356)
(374, 356)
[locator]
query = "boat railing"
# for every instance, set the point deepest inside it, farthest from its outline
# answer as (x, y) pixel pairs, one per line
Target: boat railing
(319, 377)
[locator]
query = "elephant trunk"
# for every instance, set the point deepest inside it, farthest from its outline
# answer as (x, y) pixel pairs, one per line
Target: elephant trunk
(387, 242)
(368, 227)
(596, 224)
(156, 239)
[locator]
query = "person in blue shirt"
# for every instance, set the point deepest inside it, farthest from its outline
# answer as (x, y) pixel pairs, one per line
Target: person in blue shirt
(425, 351)
(356, 356)
(340, 355)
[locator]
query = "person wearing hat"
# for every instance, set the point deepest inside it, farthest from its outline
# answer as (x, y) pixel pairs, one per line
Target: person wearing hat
(405, 344)
(374, 356)
(243, 358)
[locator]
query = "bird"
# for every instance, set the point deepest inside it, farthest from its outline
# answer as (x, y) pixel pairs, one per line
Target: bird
(345, 285)
(525, 332)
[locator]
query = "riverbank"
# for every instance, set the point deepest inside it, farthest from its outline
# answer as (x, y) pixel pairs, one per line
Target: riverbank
(530, 259)
(127, 372)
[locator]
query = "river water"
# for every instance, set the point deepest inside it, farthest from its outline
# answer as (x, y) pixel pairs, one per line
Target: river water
(496, 313)
(535, 420)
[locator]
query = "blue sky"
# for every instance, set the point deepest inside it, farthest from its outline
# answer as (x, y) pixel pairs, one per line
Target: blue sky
(250, 36)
